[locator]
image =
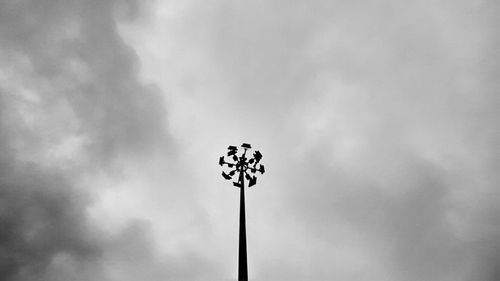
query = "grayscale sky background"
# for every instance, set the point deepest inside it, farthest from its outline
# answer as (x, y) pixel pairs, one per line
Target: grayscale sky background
(378, 122)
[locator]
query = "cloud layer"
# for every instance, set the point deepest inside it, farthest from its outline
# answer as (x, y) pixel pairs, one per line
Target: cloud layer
(72, 109)
(377, 122)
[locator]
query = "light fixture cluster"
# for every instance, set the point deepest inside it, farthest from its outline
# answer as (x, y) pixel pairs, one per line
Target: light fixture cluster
(246, 167)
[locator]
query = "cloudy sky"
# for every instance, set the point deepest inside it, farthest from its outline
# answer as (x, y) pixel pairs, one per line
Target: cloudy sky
(378, 122)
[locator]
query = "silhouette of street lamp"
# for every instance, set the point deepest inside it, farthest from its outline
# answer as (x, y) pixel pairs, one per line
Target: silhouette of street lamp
(246, 168)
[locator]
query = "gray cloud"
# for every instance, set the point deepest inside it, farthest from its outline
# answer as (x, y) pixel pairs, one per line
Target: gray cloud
(42, 219)
(74, 49)
(377, 121)
(72, 105)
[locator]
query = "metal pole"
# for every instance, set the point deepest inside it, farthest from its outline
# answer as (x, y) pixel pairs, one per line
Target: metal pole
(242, 261)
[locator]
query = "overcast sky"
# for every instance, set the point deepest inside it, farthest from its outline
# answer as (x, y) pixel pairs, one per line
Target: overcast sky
(377, 120)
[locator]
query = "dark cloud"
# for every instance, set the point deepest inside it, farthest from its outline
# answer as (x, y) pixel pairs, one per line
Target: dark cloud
(70, 86)
(42, 219)
(74, 49)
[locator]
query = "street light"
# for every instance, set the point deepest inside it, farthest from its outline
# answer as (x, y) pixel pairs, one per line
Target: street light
(246, 168)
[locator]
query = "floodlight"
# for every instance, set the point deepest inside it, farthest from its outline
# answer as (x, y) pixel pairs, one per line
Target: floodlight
(246, 145)
(261, 169)
(257, 155)
(226, 176)
(252, 181)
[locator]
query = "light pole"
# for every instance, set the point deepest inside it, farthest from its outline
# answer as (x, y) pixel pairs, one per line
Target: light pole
(244, 167)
